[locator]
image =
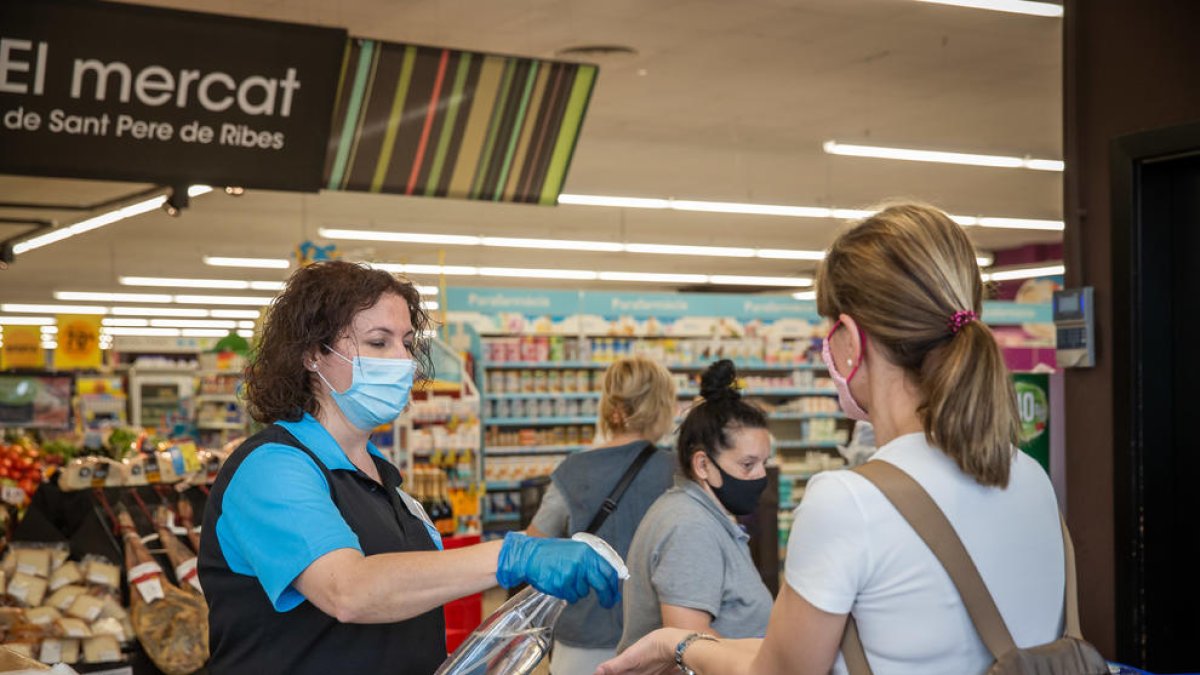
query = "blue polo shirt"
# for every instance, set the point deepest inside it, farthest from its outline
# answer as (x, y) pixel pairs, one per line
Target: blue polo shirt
(278, 517)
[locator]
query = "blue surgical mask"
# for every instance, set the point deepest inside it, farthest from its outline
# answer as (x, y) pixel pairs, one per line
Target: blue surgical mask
(378, 390)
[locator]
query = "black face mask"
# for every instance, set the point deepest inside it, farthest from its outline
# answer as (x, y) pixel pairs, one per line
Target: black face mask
(740, 497)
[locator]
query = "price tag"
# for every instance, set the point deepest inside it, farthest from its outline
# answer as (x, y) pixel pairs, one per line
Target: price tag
(14, 495)
(186, 573)
(147, 578)
(100, 475)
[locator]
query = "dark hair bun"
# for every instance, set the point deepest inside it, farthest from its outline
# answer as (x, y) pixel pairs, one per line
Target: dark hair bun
(718, 382)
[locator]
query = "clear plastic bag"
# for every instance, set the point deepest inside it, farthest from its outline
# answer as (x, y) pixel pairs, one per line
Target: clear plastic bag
(516, 637)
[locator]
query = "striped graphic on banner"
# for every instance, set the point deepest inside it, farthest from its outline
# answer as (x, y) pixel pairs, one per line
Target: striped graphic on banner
(437, 122)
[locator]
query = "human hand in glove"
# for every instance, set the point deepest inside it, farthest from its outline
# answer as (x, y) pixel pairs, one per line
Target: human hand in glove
(560, 567)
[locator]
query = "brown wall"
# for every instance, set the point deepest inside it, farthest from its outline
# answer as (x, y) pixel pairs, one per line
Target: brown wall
(1130, 65)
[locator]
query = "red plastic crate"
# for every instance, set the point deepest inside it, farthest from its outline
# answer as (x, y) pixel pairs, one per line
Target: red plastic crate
(464, 614)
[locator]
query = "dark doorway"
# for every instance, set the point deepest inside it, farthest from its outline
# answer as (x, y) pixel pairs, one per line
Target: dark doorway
(1156, 275)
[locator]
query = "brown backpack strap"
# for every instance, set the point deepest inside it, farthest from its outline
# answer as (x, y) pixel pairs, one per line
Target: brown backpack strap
(931, 524)
(852, 650)
(1071, 627)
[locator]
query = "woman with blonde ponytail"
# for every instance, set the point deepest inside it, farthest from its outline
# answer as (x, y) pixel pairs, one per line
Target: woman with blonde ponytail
(909, 353)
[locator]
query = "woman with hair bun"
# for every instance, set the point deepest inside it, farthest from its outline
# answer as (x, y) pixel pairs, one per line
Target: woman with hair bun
(908, 353)
(689, 564)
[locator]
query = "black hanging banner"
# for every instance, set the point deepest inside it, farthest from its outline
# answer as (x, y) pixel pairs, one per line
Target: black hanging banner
(123, 92)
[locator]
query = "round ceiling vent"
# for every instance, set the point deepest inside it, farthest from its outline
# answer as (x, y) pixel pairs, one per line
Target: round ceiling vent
(596, 52)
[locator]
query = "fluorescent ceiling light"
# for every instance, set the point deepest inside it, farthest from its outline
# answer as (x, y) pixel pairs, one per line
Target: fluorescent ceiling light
(1026, 273)
(914, 155)
(584, 245)
(96, 222)
(48, 344)
(235, 313)
(431, 306)
(735, 280)
(159, 311)
(554, 244)
(141, 332)
(654, 278)
(577, 275)
(246, 333)
(1021, 223)
(203, 332)
(786, 254)
(428, 290)
(400, 237)
(18, 308)
(1014, 6)
(88, 296)
(618, 202)
(172, 282)
(793, 211)
(88, 225)
(262, 263)
(192, 323)
(222, 300)
(673, 249)
(805, 295)
(26, 320)
(447, 270)
(125, 322)
(266, 285)
(245, 324)
(49, 330)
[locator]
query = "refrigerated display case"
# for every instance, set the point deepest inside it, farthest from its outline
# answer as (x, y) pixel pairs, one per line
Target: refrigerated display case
(161, 399)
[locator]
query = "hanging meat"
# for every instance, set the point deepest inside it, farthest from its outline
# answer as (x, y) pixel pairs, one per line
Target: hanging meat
(187, 519)
(181, 557)
(171, 624)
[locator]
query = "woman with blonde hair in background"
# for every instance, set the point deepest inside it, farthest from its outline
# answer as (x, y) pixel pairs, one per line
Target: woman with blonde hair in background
(637, 408)
(907, 352)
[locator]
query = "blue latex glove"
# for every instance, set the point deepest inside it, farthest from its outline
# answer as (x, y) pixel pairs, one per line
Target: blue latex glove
(560, 567)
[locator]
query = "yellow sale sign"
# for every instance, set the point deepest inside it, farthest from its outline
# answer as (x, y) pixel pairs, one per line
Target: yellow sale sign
(22, 348)
(78, 342)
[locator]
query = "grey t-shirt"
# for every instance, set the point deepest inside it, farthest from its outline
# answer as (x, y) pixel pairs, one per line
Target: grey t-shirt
(579, 485)
(687, 552)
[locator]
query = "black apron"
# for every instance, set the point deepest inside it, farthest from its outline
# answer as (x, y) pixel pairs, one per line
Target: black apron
(248, 636)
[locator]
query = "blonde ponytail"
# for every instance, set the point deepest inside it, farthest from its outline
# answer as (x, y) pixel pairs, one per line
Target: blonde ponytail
(908, 275)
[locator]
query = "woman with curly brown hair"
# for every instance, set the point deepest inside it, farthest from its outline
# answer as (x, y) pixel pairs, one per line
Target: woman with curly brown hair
(313, 560)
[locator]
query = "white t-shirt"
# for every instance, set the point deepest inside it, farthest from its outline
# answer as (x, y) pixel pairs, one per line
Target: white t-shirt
(850, 551)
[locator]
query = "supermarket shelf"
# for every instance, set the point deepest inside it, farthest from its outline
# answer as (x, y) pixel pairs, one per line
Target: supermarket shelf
(543, 395)
(689, 393)
(533, 450)
(231, 398)
(204, 373)
(502, 518)
(537, 421)
(791, 444)
(503, 485)
(802, 475)
(749, 365)
(543, 365)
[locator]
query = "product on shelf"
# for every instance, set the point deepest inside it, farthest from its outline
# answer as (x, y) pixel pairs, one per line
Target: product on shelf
(60, 605)
(499, 438)
(183, 560)
(516, 469)
(570, 380)
(171, 624)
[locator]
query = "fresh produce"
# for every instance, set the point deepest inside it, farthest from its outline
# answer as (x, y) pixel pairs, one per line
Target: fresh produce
(21, 466)
(171, 624)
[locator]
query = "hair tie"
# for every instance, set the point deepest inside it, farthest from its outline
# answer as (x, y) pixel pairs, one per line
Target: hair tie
(961, 318)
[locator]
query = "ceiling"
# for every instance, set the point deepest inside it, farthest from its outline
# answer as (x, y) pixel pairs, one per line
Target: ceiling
(725, 101)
